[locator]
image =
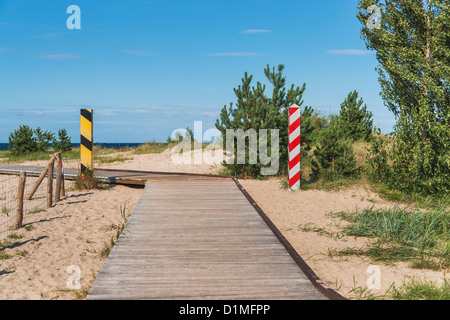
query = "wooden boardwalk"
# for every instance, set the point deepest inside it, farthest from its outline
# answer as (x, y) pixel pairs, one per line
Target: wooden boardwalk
(199, 239)
(114, 176)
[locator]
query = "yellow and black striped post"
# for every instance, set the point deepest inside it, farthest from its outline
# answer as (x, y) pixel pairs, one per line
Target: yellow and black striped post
(87, 138)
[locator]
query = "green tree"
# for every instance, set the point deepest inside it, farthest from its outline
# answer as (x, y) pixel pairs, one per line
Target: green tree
(412, 44)
(63, 143)
(307, 131)
(22, 141)
(334, 156)
(355, 120)
(255, 110)
(43, 138)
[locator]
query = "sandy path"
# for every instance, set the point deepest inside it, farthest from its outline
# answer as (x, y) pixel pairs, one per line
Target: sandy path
(289, 210)
(75, 231)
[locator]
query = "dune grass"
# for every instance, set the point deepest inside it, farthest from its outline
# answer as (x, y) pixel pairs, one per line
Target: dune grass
(402, 233)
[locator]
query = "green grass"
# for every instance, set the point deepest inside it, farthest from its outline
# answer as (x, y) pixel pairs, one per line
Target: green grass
(150, 147)
(30, 227)
(34, 211)
(7, 157)
(119, 228)
(402, 234)
(5, 256)
(103, 159)
(420, 290)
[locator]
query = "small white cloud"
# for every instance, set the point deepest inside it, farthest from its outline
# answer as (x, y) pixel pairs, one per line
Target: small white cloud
(352, 52)
(44, 36)
(62, 56)
(255, 31)
(139, 53)
(3, 49)
(234, 54)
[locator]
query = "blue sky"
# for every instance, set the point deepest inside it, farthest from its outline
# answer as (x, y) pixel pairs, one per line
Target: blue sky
(148, 67)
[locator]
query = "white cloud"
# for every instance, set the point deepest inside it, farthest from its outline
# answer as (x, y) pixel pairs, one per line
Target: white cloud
(234, 54)
(255, 31)
(139, 53)
(62, 56)
(45, 36)
(353, 52)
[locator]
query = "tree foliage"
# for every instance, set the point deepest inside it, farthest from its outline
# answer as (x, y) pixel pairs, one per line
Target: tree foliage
(412, 47)
(22, 141)
(63, 143)
(255, 110)
(334, 156)
(355, 120)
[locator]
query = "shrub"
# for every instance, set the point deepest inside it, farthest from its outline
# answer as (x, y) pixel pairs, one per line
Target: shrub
(22, 141)
(255, 111)
(334, 156)
(43, 138)
(355, 120)
(63, 143)
(87, 181)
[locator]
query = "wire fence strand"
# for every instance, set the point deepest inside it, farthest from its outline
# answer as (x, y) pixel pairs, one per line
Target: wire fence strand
(9, 188)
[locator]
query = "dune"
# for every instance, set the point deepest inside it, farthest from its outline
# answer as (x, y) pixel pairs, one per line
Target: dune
(61, 245)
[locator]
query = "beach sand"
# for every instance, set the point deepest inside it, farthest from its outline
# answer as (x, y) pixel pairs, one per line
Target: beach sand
(76, 230)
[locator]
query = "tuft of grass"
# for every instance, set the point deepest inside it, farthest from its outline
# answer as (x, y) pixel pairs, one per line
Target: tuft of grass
(150, 147)
(21, 253)
(311, 227)
(30, 227)
(402, 234)
(5, 256)
(88, 181)
(34, 211)
(119, 228)
(420, 290)
(103, 159)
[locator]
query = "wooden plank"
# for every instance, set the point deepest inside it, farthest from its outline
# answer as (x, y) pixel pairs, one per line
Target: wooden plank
(199, 240)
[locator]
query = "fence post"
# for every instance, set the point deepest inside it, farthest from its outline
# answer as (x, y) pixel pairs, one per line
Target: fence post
(19, 216)
(50, 185)
(294, 147)
(39, 180)
(58, 178)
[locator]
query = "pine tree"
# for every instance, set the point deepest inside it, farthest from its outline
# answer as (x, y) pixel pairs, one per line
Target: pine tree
(254, 110)
(63, 143)
(22, 141)
(43, 138)
(355, 120)
(334, 156)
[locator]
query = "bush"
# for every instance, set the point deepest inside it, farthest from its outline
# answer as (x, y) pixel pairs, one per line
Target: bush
(355, 120)
(255, 111)
(334, 156)
(22, 141)
(43, 138)
(25, 140)
(63, 143)
(87, 181)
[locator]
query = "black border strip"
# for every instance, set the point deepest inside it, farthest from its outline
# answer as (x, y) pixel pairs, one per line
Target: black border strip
(85, 142)
(318, 284)
(87, 114)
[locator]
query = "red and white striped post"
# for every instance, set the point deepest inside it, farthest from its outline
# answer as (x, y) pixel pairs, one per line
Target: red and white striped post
(294, 147)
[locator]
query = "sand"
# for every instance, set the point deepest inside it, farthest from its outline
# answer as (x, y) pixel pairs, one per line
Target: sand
(71, 235)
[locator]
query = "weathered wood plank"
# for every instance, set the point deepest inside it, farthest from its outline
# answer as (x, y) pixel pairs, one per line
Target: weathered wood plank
(199, 240)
